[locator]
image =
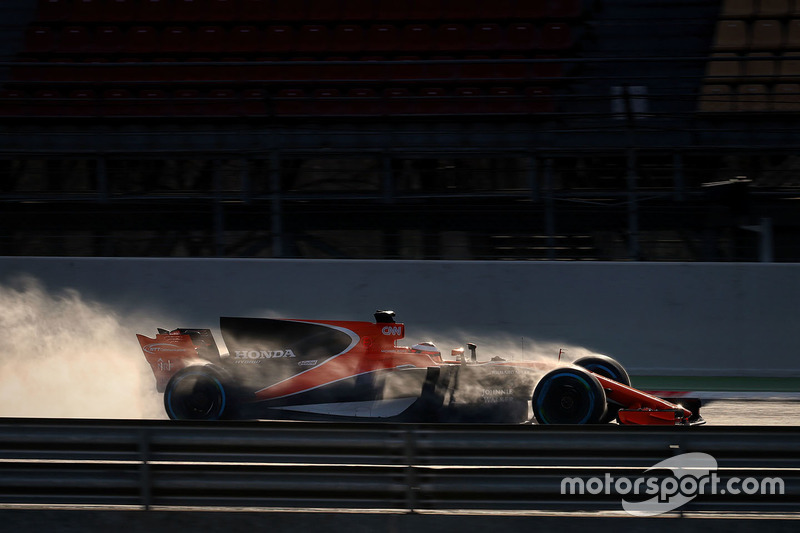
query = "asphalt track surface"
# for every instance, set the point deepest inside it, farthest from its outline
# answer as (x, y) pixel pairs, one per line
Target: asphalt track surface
(751, 413)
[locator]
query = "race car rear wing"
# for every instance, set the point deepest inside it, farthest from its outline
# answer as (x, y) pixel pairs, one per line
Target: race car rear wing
(171, 351)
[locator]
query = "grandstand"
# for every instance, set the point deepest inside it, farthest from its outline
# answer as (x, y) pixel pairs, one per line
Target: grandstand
(438, 129)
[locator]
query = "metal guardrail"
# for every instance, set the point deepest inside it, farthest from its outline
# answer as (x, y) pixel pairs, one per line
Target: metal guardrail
(360, 466)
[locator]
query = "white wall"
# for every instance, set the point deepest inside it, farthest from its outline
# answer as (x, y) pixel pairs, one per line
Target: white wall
(685, 319)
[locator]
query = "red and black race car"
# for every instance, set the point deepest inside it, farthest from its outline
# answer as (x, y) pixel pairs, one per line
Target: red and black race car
(348, 370)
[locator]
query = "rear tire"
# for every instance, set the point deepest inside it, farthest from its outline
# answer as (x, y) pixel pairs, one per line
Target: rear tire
(569, 395)
(198, 392)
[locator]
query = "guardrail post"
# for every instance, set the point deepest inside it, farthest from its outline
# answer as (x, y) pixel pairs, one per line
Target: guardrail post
(412, 486)
(145, 490)
(675, 449)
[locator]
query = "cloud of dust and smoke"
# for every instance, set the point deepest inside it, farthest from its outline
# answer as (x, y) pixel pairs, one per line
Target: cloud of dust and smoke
(508, 347)
(64, 356)
(486, 385)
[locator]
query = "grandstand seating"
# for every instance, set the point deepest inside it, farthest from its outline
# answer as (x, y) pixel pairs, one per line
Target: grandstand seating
(724, 67)
(716, 98)
(13, 103)
(793, 35)
(140, 48)
(767, 34)
(789, 68)
(760, 67)
(737, 9)
(489, 108)
(755, 58)
(786, 97)
(752, 97)
(772, 8)
(731, 35)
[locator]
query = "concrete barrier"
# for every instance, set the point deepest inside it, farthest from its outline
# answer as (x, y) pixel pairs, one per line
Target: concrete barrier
(657, 318)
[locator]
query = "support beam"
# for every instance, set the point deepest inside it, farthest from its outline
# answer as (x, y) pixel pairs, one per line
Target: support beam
(634, 252)
(549, 210)
(276, 204)
(219, 210)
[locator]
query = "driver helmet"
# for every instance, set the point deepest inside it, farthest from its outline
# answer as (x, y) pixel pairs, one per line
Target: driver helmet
(427, 348)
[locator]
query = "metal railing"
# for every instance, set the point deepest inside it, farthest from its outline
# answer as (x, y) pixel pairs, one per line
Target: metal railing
(372, 466)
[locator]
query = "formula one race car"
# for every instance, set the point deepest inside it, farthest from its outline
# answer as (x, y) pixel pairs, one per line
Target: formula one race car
(347, 370)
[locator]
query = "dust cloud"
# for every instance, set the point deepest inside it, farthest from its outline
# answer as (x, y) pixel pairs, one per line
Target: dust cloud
(507, 347)
(65, 356)
(62, 356)
(479, 384)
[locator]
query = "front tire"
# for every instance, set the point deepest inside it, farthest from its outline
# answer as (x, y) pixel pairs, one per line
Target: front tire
(569, 395)
(605, 366)
(197, 392)
(608, 368)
